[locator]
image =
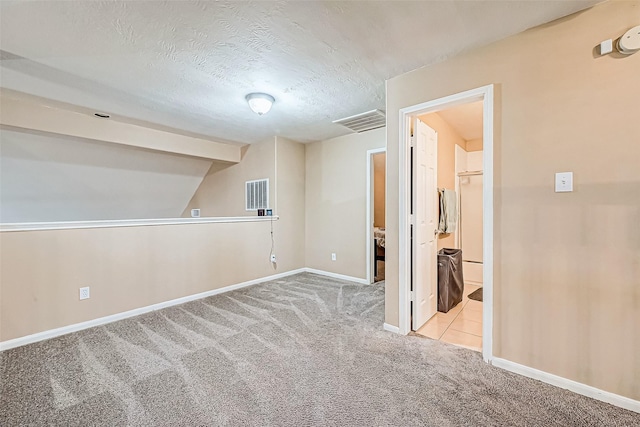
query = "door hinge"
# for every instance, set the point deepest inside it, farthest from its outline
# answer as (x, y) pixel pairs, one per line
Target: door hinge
(413, 295)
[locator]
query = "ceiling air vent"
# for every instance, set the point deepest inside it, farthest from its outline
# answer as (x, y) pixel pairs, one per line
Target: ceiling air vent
(373, 119)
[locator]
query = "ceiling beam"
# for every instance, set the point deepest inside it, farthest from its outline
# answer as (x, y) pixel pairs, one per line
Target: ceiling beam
(26, 113)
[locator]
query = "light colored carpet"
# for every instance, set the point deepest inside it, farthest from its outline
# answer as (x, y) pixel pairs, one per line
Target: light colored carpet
(302, 351)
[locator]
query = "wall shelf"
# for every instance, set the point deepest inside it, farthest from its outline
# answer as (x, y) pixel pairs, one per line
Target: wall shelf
(70, 225)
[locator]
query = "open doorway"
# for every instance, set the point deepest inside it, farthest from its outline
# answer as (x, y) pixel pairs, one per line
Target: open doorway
(376, 219)
(421, 232)
(458, 182)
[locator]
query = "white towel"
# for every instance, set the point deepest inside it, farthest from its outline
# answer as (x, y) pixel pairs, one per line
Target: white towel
(448, 211)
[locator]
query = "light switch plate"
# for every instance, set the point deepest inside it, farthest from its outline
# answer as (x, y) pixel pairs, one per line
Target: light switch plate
(564, 182)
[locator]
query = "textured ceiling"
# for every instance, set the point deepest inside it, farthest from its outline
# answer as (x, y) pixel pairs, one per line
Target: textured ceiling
(189, 64)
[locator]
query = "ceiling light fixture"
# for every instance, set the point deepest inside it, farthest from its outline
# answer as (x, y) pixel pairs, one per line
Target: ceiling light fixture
(260, 103)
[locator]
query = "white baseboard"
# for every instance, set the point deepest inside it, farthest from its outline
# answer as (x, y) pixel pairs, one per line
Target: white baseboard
(574, 386)
(336, 275)
(391, 328)
(52, 333)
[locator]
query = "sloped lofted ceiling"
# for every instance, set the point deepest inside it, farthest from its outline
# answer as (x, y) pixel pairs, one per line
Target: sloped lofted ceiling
(189, 64)
(46, 178)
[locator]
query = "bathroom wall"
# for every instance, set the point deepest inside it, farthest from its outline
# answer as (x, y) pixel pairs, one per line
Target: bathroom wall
(470, 228)
(474, 145)
(471, 217)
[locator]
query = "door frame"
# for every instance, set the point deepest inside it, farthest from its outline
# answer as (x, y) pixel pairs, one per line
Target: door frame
(484, 94)
(370, 200)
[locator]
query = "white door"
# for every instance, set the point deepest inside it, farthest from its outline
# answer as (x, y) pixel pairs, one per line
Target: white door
(425, 224)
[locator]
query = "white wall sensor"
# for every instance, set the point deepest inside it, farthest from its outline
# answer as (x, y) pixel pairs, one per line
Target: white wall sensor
(630, 41)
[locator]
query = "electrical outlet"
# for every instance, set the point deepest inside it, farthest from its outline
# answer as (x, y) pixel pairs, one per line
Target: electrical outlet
(333, 256)
(273, 257)
(84, 293)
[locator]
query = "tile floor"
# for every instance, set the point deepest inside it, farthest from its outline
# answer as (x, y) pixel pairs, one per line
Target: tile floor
(462, 325)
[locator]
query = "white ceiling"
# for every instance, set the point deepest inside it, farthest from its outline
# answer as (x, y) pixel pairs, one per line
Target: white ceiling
(189, 64)
(466, 119)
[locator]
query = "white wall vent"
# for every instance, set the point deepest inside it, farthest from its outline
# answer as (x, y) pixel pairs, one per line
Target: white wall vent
(370, 120)
(257, 194)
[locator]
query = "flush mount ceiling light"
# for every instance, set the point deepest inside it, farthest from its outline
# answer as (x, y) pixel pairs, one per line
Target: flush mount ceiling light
(260, 103)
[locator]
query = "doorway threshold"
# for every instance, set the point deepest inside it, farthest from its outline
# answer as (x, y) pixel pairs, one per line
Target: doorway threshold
(461, 326)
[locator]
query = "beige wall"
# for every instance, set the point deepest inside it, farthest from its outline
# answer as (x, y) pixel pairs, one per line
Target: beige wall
(290, 191)
(133, 267)
(335, 209)
(282, 161)
(222, 191)
(379, 188)
(448, 138)
(567, 265)
(126, 268)
(474, 145)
